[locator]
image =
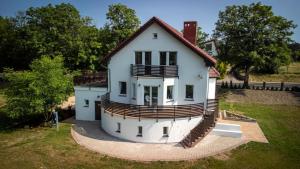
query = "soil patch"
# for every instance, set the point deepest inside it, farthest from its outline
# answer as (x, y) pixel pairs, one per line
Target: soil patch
(263, 97)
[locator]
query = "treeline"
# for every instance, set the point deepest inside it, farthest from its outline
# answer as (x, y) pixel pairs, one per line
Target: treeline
(60, 30)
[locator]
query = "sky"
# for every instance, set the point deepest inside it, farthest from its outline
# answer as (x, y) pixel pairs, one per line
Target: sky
(174, 12)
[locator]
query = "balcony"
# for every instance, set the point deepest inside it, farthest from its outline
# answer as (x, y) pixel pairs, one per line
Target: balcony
(154, 70)
(86, 77)
(152, 112)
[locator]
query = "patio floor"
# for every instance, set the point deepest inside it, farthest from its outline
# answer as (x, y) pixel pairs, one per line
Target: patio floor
(92, 137)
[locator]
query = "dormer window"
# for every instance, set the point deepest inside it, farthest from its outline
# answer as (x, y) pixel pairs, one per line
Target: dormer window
(154, 35)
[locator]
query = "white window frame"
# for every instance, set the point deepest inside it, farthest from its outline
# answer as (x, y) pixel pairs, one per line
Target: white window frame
(140, 133)
(120, 88)
(189, 99)
(118, 127)
(86, 103)
(133, 91)
(167, 131)
(172, 92)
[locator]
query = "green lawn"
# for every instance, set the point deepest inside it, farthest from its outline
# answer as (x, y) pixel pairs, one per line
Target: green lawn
(46, 148)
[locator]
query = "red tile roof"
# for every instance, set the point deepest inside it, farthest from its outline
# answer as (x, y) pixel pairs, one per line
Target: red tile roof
(213, 73)
(178, 35)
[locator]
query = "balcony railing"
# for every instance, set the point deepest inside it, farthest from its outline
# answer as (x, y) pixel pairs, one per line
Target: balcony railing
(91, 77)
(154, 112)
(154, 70)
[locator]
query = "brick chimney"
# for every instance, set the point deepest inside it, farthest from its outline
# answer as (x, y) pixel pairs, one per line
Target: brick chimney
(190, 31)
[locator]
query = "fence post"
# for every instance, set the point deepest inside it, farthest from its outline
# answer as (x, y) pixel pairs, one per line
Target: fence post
(264, 85)
(190, 111)
(112, 110)
(139, 113)
(174, 111)
(124, 112)
(156, 114)
(281, 86)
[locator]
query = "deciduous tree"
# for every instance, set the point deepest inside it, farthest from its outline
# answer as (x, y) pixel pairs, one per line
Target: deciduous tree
(253, 37)
(39, 90)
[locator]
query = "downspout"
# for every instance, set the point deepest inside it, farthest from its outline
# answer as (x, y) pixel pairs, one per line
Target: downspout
(207, 88)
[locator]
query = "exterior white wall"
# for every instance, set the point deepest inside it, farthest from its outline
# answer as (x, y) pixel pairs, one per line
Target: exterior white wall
(192, 68)
(90, 93)
(212, 88)
(152, 130)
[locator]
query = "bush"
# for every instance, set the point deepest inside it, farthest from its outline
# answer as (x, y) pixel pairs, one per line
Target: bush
(222, 68)
(39, 90)
(226, 85)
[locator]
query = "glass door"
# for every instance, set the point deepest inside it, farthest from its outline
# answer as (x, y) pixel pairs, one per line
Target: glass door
(150, 95)
(147, 95)
(154, 95)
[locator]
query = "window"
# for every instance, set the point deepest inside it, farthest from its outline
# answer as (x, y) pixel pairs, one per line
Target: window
(208, 47)
(86, 103)
(147, 58)
(133, 91)
(118, 128)
(123, 90)
(138, 58)
(140, 131)
(169, 92)
(165, 132)
(189, 91)
(173, 58)
(154, 35)
(163, 58)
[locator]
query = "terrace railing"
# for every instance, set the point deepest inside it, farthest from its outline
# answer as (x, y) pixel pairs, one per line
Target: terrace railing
(90, 77)
(154, 70)
(204, 126)
(154, 112)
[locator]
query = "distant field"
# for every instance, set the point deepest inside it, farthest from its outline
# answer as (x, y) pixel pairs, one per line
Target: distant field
(289, 73)
(293, 68)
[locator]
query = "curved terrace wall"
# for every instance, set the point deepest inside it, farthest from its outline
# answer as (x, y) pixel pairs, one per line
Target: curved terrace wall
(152, 128)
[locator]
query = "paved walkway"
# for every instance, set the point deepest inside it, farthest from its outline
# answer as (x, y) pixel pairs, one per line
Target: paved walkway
(91, 136)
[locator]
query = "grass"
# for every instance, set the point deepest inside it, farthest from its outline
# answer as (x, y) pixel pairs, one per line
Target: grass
(289, 73)
(47, 148)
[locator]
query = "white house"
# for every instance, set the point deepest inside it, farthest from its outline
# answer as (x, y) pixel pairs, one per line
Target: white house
(160, 86)
(210, 47)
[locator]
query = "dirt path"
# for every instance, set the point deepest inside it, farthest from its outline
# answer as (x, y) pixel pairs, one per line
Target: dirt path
(264, 97)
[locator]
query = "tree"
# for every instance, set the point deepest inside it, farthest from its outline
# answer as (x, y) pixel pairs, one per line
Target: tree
(253, 37)
(53, 30)
(121, 23)
(202, 37)
(38, 91)
(295, 48)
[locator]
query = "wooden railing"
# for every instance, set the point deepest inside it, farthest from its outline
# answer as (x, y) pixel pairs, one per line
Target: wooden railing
(154, 112)
(212, 104)
(154, 70)
(90, 77)
(203, 126)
